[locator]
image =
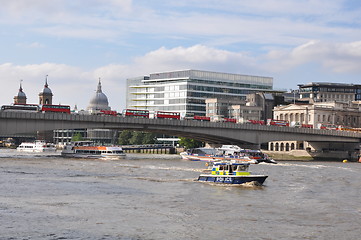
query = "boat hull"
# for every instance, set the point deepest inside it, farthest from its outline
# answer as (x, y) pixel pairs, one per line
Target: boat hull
(40, 150)
(92, 156)
(229, 179)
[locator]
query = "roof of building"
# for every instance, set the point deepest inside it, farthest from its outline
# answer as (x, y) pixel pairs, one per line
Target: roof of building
(99, 101)
(329, 84)
(21, 94)
(46, 89)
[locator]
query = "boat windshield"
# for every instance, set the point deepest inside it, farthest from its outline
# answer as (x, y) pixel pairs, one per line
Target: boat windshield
(204, 151)
(242, 167)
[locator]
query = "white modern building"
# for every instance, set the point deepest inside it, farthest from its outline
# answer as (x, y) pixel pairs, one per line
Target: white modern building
(185, 91)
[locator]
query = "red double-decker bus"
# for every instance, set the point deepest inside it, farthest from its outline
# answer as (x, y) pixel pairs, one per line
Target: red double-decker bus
(201, 118)
(330, 126)
(136, 113)
(20, 107)
(232, 120)
(256, 122)
(108, 112)
(55, 108)
(167, 115)
(280, 123)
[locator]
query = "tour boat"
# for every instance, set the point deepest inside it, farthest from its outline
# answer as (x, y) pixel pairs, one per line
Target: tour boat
(88, 149)
(226, 152)
(36, 146)
(231, 172)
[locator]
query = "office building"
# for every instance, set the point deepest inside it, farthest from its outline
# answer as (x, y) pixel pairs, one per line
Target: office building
(186, 91)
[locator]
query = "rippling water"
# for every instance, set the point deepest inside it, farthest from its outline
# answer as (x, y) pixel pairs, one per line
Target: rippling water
(156, 197)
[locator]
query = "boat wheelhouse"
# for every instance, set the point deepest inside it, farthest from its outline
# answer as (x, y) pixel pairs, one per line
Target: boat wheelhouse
(231, 172)
(88, 149)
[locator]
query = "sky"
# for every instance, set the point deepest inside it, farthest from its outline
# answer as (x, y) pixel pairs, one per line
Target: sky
(78, 42)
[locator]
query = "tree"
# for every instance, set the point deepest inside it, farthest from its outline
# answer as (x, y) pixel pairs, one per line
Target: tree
(149, 138)
(137, 138)
(124, 137)
(189, 143)
(77, 137)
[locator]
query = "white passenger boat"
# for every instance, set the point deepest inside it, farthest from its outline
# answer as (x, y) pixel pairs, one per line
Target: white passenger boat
(226, 152)
(88, 149)
(36, 146)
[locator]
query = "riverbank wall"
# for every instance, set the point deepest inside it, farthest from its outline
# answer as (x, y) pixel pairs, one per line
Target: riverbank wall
(304, 155)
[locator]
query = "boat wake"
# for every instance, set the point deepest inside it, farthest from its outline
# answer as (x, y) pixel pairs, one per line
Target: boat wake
(163, 179)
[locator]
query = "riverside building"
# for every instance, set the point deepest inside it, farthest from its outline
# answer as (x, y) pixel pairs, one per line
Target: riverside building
(185, 91)
(325, 92)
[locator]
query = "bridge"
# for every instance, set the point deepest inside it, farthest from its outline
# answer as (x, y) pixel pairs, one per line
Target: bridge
(23, 123)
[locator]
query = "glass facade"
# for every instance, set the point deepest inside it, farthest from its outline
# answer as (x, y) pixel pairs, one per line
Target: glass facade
(186, 91)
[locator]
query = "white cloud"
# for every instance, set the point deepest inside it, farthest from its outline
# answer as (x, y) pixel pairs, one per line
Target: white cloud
(216, 23)
(334, 57)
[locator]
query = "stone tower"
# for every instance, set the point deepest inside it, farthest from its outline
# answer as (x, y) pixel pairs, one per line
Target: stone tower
(46, 96)
(21, 97)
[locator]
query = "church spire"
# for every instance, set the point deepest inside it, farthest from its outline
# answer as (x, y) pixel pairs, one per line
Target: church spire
(21, 88)
(46, 81)
(99, 89)
(46, 96)
(21, 97)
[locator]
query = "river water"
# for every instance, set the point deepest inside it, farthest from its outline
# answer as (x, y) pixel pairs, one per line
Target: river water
(156, 197)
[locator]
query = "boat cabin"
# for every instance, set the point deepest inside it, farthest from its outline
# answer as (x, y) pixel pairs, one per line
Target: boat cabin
(230, 168)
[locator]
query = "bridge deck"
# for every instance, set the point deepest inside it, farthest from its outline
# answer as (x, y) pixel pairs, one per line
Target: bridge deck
(213, 132)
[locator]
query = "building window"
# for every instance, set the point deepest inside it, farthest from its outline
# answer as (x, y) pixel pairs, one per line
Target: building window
(302, 119)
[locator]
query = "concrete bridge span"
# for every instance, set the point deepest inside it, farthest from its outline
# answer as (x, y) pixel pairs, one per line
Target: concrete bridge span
(211, 132)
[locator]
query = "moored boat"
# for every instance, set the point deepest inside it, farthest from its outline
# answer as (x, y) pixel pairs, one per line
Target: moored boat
(36, 146)
(226, 152)
(88, 149)
(231, 172)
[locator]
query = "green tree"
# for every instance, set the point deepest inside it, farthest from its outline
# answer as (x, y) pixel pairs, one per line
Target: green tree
(77, 137)
(124, 137)
(189, 143)
(137, 138)
(149, 138)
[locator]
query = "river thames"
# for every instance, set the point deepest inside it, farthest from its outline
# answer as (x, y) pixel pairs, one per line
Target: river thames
(157, 197)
